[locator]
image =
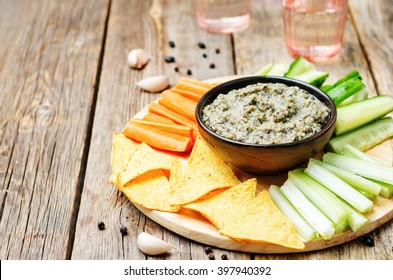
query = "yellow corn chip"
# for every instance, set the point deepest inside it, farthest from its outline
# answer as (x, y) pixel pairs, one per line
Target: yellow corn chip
(221, 209)
(143, 160)
(205, 172)
(150, 190)
(263, 222)
(122, 150)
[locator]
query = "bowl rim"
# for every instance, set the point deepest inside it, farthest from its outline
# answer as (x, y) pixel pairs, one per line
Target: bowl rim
(311, 89)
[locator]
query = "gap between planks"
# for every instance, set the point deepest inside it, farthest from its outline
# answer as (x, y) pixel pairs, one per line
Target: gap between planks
(86, 149)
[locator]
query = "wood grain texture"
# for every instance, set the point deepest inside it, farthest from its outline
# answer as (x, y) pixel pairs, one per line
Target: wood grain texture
(48, 65)
(148, 25)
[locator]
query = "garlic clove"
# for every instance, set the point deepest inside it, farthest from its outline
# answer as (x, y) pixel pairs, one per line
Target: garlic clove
(154, 84)
(151, 245)
(137, 58)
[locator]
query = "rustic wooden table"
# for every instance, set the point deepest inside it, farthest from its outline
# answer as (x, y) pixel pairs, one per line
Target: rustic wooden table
(65, 87)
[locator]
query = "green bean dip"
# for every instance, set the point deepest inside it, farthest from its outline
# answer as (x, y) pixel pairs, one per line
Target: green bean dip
(266, 113)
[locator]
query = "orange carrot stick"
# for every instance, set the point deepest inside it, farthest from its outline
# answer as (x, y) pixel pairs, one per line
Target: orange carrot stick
(157, 138)
(178, 103)
(178, 129)
(163, 111)
(196, 82)
(188, 94)
(157, 118)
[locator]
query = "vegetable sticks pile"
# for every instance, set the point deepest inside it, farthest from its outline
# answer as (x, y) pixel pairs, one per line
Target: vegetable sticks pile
(170, 123)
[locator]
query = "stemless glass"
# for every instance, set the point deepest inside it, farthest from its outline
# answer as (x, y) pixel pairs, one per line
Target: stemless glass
(314, 28)
(222, 16)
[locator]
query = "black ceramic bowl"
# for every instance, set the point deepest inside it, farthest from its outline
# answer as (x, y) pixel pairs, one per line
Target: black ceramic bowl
(265, 159)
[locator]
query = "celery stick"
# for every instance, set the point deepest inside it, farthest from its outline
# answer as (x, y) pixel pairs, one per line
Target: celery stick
(321, 197)
(301, 225)
(339, 187)
(386, 189)
(359, 113)
(308, 210)
(356, 181)
(351, 151)
(376, 171)
(344, 90)
(365, 137)
(356, 220)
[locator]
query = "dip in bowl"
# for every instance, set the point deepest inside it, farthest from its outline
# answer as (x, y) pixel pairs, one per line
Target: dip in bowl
(266, 125)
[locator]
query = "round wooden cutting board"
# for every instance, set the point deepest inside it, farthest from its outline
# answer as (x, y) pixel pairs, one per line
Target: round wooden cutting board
(194, 226)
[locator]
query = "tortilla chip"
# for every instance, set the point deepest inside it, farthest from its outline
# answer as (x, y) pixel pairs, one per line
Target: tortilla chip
(122, 151)
(221, 208)
(150, 190)
(264, 223)
(205, 172)
(143, 160)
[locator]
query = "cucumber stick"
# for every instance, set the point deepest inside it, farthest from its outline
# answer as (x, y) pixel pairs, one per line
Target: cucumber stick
(309, 211)
(359, 113)
(364, 137)
(299, 66)
(345, 89)
(339, 187)
(264, 70)
(301, 225)
(359, 96)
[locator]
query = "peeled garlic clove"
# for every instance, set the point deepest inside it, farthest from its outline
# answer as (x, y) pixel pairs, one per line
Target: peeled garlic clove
(137, 58)
(154, 84)
(151, 245)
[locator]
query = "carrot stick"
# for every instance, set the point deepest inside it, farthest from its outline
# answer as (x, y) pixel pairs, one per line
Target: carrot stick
(157, 118)
(157, 138)
(188, 94)
(178, 103)
(177, 118)
(178, 129)
(196, 82)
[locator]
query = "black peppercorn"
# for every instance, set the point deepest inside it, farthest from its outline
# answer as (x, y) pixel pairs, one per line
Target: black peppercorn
(217, 50)
(212, 66)
(210, 256)
(189, 72)
(123, 231)
(169, 59)
(224, 257)
(367, 240)
(101, 226)
(171, 44)
(204, 55)
(201, 45)
(207, 250)
(176, 69)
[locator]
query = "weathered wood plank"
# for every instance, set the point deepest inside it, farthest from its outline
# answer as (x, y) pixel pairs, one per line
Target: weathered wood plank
(266, 33)
(48, 65)
(148, 25)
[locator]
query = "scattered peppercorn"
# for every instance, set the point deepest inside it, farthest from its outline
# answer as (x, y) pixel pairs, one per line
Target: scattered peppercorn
(171, 44)
(204, 55)
(224, 257)
(217, 50)
(176, 69)
(123, 231)
(207, 250)
(212, 66)
(101, 226)
(189, 72)
(169, 59)
(210, 256)
(201, 45)
(367, 240)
